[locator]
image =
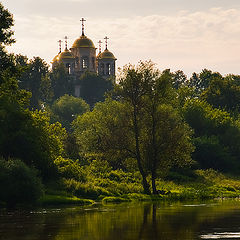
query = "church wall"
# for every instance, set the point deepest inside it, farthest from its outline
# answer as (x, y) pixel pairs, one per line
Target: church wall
(85, 59)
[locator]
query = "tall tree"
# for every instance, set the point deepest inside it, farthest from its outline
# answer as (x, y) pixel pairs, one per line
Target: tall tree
(141, 125)
(93, 87)
(216, 136)
(223, 93)
(6, 33)
(67, 108)
(61, 82)
(6, 22)
(32, 77)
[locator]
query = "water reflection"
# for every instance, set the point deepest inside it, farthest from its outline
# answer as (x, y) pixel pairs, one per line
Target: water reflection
(126, 222)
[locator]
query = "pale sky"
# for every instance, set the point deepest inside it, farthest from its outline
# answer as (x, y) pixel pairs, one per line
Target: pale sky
(178, 34)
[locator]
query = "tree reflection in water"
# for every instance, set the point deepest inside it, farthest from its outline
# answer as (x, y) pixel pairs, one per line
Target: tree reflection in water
(124, 221)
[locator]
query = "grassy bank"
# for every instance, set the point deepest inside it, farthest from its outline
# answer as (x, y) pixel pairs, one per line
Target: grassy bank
(119, 187)
(63, 200)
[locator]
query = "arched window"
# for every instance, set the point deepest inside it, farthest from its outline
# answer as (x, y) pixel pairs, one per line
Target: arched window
(68, 68)
(85, 62)
(108, 69)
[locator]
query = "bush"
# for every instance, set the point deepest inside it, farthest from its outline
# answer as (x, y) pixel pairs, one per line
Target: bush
(70, 169)
(19, 184)
(85, 190)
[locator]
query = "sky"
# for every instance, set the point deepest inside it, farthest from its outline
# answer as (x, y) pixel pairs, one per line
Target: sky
(187, 35)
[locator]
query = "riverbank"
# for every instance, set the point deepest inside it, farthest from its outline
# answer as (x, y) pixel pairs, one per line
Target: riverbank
(207, 184)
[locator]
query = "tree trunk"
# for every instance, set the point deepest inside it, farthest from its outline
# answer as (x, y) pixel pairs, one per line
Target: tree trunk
(154, 159)
(138, 155)
(154, 189)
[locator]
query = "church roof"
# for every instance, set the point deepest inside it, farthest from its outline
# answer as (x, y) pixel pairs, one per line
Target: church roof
(66, 55)
(83, 42)
(106, 55)
(55, 59)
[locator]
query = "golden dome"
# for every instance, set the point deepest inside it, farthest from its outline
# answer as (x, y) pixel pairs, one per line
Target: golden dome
(55, 59)
(66, 55)
(106, 55)
(83, 42)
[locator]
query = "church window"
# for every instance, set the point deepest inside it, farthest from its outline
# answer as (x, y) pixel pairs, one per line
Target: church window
(108, 66)
(68, 68)
(85, 62)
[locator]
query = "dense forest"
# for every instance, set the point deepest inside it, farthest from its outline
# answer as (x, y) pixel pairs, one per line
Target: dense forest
(149, 132)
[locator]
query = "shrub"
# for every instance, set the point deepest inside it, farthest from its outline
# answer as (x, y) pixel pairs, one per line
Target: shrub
(70, 169)
(19, 184)
(86, 190)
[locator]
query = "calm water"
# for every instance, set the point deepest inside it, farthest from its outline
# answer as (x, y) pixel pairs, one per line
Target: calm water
(215, 220)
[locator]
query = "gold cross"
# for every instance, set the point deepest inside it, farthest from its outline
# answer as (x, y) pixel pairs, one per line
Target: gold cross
(82, 20)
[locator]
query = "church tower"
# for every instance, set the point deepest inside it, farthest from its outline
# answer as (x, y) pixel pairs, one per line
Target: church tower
(82, 57)
(84, 53)
(106, 62)
(67, 59)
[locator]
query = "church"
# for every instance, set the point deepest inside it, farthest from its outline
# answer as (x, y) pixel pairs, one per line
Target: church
(83, 57)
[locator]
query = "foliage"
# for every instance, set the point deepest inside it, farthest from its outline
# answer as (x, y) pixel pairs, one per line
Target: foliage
(210, 153)
(61, 81)
(104, 133)
(201, 81)
(135, 127)
(40, 141)
(93, 87)
(70, 169)
(6, 22)
(179, 79)
(67, 108)
(205, 119)
(31, 79)
(217, 134)
(223, 93)
(101, 180)
(19, 184)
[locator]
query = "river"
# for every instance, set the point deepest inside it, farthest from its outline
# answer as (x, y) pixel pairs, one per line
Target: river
(132, 221)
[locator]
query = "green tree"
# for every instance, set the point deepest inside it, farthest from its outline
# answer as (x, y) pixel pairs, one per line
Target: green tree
(165, 135)
(31, 79)
(132, 88)
(223, 93)
(46, 92)
(201, 81)
(25, 134)
(179, 79)
(6, 33)
(61, 81)
(214, 129)
(93, 87)
(19, 184)
(67, 108)
(134, 127)
(6, 22)
(104, 133)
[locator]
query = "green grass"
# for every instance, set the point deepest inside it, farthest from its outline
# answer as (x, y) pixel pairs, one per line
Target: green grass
(118, 187)
(115, 200)
(62, 200)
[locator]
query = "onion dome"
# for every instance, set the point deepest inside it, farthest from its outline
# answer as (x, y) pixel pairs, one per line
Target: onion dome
(55, 59)
(66, 55)
(106, 55)
(83, 42)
